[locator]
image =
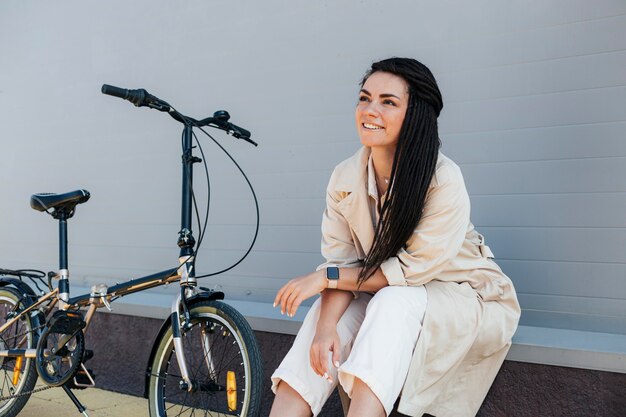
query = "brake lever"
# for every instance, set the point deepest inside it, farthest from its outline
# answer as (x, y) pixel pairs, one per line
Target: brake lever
(247, 139)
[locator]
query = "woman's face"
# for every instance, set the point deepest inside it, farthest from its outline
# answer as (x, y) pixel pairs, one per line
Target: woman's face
(383, 101)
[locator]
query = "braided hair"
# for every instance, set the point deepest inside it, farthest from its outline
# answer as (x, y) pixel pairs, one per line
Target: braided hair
(414, 161)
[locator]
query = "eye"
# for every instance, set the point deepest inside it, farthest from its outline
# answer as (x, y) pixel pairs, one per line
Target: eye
(390, 102)
(364, 98)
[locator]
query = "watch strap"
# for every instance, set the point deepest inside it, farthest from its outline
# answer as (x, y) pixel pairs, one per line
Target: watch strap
(332, 277)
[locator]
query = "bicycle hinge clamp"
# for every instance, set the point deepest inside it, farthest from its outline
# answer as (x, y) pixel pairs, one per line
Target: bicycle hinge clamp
(186, 239)
(189, 158)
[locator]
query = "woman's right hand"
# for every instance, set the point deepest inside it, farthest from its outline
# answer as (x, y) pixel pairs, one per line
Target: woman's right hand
(325, 340)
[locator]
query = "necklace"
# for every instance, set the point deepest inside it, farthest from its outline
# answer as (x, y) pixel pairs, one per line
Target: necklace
(382, 189)
(385, 180)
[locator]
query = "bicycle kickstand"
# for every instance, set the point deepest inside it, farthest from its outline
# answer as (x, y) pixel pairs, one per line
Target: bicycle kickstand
(81, 408)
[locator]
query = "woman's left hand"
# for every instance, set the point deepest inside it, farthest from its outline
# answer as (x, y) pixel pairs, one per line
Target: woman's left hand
(292, 294)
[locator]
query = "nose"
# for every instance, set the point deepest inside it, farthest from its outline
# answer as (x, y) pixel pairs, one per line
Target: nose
(371, 109)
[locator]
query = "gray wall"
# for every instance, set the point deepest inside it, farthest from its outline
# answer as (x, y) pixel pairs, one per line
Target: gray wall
(535, 115)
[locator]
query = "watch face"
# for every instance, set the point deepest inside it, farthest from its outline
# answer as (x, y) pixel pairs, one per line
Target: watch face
(332, 272)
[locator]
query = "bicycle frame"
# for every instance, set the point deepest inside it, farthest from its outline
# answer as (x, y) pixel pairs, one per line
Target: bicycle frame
(97, 299)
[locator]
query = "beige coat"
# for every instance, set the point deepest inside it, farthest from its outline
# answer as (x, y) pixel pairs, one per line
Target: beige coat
(472, 308)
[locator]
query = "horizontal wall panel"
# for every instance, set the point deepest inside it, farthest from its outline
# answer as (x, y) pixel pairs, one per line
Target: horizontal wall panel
(557, 244)
(303, 211)
(598, 280)
(592, 175)
(97, 214)
(267, 264)
(518, 47)
(550, 210)
(310, 184)
(574, 107)
(536, 144)
(551, 76)
(300, 156)
(602, 324)
(243, 287)
(257, 264)
(609, 307)
(288, 238)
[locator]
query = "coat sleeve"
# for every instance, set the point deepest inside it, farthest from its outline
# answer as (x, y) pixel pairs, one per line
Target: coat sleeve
(439, 235)
(338, 246)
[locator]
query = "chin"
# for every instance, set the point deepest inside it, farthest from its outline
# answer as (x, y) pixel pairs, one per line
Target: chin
(367, 144)
(369, 141)
(372, 142)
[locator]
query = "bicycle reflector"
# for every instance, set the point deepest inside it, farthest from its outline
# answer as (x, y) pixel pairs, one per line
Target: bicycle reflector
(231, 391)
(17, 369)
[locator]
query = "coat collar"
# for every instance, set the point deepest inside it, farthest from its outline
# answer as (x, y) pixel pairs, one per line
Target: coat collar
(351, 178)
(352, 175)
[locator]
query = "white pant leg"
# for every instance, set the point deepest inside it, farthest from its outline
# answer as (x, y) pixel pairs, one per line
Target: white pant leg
(295, 369)
(382, 351)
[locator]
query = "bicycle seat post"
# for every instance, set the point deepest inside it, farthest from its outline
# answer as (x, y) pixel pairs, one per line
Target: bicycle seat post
(64, 284)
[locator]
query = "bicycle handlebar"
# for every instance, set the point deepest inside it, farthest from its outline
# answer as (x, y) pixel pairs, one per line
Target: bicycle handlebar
(141, 97)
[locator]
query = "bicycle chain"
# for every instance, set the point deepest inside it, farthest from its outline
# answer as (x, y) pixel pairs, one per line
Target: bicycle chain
(21, 394)
(33, 330)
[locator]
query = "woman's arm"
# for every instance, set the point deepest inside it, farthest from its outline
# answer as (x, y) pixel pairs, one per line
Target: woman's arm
(292, 294)
(334, 305)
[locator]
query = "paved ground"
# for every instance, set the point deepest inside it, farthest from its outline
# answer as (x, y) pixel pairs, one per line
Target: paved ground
(100, 403)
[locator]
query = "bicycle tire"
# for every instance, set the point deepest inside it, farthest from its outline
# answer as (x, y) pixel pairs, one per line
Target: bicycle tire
(18, 335)
(233, 348)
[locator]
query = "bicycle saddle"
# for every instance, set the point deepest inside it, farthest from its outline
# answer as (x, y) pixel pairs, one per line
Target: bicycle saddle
(65, 202)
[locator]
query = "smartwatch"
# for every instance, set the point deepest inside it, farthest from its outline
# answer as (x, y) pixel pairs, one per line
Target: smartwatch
(332, 277)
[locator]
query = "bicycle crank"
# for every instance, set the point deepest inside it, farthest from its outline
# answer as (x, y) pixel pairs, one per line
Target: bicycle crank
(61, 348)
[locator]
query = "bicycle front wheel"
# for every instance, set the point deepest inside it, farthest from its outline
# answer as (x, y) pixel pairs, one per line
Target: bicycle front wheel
(17, 374)
(223, 362)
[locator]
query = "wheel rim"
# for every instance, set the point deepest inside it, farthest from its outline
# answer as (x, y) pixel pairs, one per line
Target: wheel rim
(19, 335)
(228, 361)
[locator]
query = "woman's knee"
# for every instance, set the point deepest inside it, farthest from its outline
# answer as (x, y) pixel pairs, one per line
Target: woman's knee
(400, 299)
(352, 318)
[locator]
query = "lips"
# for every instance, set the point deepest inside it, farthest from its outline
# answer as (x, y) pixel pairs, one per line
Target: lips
(372, 126)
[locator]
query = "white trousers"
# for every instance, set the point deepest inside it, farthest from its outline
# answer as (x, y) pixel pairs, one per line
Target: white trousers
(377, 335)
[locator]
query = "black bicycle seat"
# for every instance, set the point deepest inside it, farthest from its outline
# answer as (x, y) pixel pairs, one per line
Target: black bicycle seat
(59, 202)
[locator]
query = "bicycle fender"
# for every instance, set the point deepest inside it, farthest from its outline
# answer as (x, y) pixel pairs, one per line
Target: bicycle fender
(21, 286)
(167, 323)
(27, 293)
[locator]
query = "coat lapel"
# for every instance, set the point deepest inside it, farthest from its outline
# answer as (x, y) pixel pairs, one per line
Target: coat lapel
(355, 207)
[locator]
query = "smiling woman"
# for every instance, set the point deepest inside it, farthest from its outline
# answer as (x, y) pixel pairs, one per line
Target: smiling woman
(433, 314)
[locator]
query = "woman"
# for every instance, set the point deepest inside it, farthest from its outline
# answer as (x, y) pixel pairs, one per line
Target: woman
(411, 301)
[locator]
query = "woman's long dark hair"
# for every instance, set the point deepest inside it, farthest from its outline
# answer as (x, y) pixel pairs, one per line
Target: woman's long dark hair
(413, 163)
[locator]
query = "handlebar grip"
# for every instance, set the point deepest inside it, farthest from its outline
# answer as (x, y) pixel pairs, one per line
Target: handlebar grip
(139, 97)
(115, 91)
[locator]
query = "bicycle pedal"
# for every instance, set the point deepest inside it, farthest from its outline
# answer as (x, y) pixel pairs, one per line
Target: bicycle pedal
(87, 355)
(66, 322)
(84, 378)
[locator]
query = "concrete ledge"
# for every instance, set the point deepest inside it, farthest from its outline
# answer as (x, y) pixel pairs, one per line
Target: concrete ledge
(539, 345)
(570, 348)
